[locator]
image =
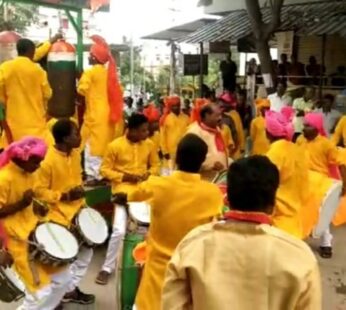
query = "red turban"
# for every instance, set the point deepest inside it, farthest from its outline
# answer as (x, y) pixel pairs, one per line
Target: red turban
(100, 50)
(169, 102)
(196, 110)
(151, 113)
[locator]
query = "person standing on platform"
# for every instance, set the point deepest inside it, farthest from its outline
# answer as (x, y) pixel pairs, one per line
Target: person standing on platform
(209, 131)
(173, 125)
(228, 70)
(45, 285)
(243, 262)
(293, 167)
(322, 156)
(25, 91)
(59, 183)
(128, 161)
(193, 202)
(260, 142)
(104, 106)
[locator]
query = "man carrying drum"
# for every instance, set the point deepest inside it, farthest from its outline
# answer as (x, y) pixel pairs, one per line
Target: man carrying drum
(179, 203)
(293, 168)
(129, 160)
(323, 155)
(60, 185)
(45, 285)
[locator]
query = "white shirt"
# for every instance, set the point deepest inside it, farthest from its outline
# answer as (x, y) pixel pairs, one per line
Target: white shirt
(300, 104)
(277, 102)
(329, 120)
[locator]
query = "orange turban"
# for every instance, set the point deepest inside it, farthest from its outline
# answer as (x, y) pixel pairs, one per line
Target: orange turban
(169, 102)
(261, 103)
(100, 50)
(196, 110)
(151, 113)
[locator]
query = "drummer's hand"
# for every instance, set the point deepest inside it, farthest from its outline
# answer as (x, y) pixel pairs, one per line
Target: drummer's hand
(40, 209)
(6, 259)
(145, 176)
(120, 199)
(131, 178)
(27, 198)
(218, 166)
(76, 193)
(57, 37)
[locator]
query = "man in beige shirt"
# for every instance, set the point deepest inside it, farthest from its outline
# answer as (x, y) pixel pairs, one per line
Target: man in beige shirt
(242, 262)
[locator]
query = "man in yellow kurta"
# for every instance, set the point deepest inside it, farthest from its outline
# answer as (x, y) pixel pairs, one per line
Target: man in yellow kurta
(243, 262)
(339, 136)
(260, 142)
(173, 126)
(128, 161)
(60, 185)
(293, 167)
(208, 130)
(24, 90)
(174, 213)
(322, 155)
(100, 87)
(153, 116)
(18, 163)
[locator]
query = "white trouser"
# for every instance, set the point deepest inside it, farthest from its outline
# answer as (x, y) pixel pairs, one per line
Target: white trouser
(80, 267)
(326, 238)
(118, 234)
(49, 297)
(92, 164)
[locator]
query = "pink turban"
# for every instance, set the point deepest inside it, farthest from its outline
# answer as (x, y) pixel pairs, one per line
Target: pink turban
(23, 149)
(315, 120)
(279, 125)
(228, 98)
(288, 112)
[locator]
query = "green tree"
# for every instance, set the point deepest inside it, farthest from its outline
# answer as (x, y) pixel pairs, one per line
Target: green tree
(16, 17)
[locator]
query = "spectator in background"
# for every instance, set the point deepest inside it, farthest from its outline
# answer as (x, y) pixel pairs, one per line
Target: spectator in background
(284, 66)
(339, 77)
(244, 109)
(279, 99)
(129, 108)
(314, 71)
(331, 116)
(297, 71)
(228, 70)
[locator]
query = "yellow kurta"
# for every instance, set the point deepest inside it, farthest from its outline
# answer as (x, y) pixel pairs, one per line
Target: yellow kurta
(340, 132)
(294, 184)
(42, 51)
(242, 266)
(97, 130)
(13, 183)
(122, 157)
(58, 174)
(171, 133)
(173, 214)
(25, 90)
(260, 142)
(240, 133)
(155, 138)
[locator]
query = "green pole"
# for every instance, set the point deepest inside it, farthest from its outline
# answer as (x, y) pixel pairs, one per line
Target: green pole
(80, 47)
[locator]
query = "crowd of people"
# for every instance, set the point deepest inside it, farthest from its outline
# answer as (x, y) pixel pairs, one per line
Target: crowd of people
(198, 256)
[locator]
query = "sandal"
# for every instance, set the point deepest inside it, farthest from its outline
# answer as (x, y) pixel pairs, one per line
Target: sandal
(326, 252)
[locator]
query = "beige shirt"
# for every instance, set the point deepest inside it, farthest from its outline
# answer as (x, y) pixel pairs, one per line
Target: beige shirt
(213, 155)
(241, 266)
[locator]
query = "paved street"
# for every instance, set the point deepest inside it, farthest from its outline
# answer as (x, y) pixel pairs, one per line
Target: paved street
(333, 278)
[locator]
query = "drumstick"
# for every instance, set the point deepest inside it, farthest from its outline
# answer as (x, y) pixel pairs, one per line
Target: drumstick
(55, 238)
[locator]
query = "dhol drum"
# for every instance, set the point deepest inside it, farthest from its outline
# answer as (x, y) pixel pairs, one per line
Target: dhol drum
(11, 287)
(328, 208)
(221, 181)
(59, 245)
(90, 227)
(129, 272)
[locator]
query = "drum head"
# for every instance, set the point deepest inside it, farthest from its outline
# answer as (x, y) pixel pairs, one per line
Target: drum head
(328, 208)
(140, 212)
(92, 225)
(57, 240)
(13, 277)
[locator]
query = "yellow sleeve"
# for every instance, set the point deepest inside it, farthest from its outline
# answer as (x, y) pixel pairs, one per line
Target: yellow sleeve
(108, 162)
(144, 191)
(338, 133)
(2, 87)
(4, 191)
(163, 140)
(42, 51)
(311, 297)
(276, 158)
(42, 186)
(227, 136)
(154, 161)
(333, 154)
(176, 294)
(46, 89)
(84, 83)
(253, 130)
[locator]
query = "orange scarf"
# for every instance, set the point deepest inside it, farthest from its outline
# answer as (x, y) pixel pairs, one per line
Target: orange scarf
(220, 144)
(251, 217)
